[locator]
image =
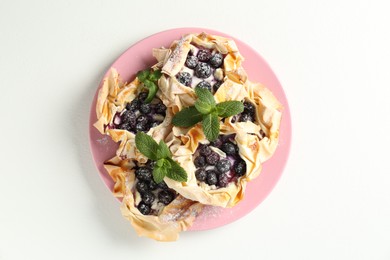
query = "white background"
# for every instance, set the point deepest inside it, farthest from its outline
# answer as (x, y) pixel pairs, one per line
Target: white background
(333, 60)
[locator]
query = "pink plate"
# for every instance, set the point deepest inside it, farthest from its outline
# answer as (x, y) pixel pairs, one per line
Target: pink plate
(138, 57)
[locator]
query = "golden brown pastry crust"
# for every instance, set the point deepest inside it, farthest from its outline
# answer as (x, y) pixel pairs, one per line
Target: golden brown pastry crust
(176, 217)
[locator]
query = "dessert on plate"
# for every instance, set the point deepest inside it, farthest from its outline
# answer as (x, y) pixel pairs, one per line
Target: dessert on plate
(192, 129)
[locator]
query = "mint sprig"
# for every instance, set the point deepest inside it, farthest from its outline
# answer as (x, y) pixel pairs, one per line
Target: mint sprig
(149, 78)
(207, 111)
(160, 153)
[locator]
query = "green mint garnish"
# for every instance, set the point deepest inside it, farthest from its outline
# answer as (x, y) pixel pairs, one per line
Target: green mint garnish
(149, 78)
(160, 153)
(207, 111)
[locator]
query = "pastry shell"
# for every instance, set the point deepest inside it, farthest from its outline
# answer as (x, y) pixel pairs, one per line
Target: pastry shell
(175, 217)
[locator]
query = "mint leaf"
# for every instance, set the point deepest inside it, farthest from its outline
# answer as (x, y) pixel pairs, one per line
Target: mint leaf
(152, 90)
(159, 173)
(143, 75)
(176, 172)
(229, 108)
(203, 107)
(155, 75)
(210, 125)
(146, 145)
(205, 95)
(163, 150)
(187, 117)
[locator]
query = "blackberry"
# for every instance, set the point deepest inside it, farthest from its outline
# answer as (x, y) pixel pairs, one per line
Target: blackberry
(151, 164)
(142, 186)
(143, 208)
(229, 148)
(203, 55)
(145, 109)
(191, 62)
(216, 60)
(205, 85)
(166, 196)
(223, 180)
(240, 168)
(184, 78)
(148, 197)
(202, 70)
(205, 150)
(152, 185)
(133, 105)
(163, 185)
(213, 158)
(143, 174)
(200, 161)
(142, 96)
(125, 126)
(244, 117)
(200, 175)
(160, 109)
(223, 166)
(217, 85)
(212, 177)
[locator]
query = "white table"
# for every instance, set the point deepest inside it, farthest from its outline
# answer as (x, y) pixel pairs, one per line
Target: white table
(333, 60)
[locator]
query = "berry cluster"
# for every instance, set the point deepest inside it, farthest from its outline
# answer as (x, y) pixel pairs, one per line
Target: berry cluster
(141, 116)
(213, 169)
(203, 65)
(249, 113)
(150, 190)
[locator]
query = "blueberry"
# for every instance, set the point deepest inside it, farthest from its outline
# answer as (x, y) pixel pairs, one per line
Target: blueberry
(142, 96)
(244, 117)
(205, 85)
(203, 70)
(143, 174)
(148, 197)
(133, 105)
(191, 62)
(184, 78)
(223, 180)
(152, 184)
(145, 108)
(223, 166)
(212, 177)
(166, 196)
(163, 185)
(229, 148)
(249, 108)
(240, 168)
(205, 150)
(212, 158)
(151, 164)
(142, 119)
(140, 127)
(125, 126)
(217, 85)
(200, 175)
(204, 55)
(142, 186)
(217, 143)
(160, 109)
(143, 208)
(200, 161)
(216, 60)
